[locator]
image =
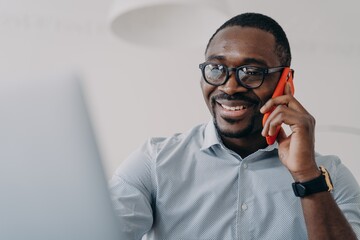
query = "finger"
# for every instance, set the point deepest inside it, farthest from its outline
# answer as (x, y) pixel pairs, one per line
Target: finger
(280, 115)
(281, 136)
(273, 122)
(271, 125)
(273, 102)
(287, 90)
(281, 139)
(287, 100)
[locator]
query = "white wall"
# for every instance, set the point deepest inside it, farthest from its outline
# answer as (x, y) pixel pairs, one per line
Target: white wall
(134, 93)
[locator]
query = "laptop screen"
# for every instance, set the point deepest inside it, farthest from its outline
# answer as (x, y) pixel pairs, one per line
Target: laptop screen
(52, 182)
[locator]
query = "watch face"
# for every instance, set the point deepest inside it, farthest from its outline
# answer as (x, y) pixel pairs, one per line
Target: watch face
(299, 189)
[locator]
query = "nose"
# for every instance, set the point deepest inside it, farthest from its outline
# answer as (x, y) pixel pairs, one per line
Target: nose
(232, 86)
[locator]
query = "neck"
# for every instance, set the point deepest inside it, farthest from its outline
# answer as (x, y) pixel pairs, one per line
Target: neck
(246, 145)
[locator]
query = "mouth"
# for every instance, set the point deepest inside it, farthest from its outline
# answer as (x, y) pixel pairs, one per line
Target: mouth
(234, 109)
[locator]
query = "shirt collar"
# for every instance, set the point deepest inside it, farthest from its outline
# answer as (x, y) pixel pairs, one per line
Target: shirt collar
(211, 138)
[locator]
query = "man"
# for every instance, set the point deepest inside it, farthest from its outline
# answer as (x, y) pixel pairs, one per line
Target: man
(222, 180)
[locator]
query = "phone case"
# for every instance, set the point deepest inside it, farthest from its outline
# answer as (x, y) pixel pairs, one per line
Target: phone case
(287, 76)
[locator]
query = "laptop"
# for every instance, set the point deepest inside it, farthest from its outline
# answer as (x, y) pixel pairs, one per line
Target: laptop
(52, 182)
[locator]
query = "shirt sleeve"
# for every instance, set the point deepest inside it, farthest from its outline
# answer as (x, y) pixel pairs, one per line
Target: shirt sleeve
(347, 195)
(132, 193)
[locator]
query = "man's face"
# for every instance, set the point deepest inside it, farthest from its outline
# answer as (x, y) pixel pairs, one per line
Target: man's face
(234, 108)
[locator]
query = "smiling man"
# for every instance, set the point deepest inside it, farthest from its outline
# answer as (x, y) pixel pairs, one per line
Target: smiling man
(235, 108)
(221, 180)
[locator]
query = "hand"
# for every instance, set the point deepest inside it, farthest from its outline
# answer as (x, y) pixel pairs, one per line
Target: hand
(296, 151)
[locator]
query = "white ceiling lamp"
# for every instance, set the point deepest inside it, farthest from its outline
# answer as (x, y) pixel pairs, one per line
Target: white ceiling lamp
(165, 23)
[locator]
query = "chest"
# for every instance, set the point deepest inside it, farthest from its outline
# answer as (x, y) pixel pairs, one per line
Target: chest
(212, 197)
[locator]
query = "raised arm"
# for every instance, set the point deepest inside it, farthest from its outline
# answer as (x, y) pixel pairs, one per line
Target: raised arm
(323, 217)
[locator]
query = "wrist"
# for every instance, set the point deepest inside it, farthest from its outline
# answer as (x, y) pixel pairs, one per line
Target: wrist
(306, 175)
(319, 184)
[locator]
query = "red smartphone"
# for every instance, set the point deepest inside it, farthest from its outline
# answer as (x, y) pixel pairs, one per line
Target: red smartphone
(286, 76)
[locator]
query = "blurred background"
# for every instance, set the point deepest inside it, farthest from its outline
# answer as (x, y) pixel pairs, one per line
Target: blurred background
(140, 64)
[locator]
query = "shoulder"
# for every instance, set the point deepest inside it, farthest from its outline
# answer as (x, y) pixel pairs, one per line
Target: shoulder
(332, 163)
(191, 139)
(345, 184)
(148, 153)
(140, 166)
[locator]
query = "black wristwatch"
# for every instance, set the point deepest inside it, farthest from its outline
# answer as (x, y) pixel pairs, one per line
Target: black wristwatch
(320, 184)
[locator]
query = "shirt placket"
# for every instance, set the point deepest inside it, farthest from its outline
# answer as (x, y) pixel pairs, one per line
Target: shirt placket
(244, 217)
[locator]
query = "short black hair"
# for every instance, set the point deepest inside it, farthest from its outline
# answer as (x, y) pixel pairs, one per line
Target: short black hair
(265, 23)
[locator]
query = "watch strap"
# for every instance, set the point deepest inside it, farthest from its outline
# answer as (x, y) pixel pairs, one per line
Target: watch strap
(319, 184)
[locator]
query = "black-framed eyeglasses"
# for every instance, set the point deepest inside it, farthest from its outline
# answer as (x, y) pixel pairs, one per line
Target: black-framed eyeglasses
(247, 76)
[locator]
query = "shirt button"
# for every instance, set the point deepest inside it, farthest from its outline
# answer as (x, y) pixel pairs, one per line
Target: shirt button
(244, 207)
(245, 166)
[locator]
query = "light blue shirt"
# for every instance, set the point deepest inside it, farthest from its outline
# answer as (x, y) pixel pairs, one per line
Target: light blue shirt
(191, 187)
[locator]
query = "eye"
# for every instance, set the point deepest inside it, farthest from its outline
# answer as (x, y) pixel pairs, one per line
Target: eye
(214, 71)
(252, 70)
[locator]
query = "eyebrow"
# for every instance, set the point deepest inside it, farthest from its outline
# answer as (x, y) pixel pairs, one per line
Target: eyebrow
(246, 60)
(255, 61)
(215, 57)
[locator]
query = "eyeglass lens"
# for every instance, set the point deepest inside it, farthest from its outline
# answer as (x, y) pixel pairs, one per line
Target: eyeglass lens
(217, 74)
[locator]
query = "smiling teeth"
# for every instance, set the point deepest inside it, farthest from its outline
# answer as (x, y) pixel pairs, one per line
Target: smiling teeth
(233, 108)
